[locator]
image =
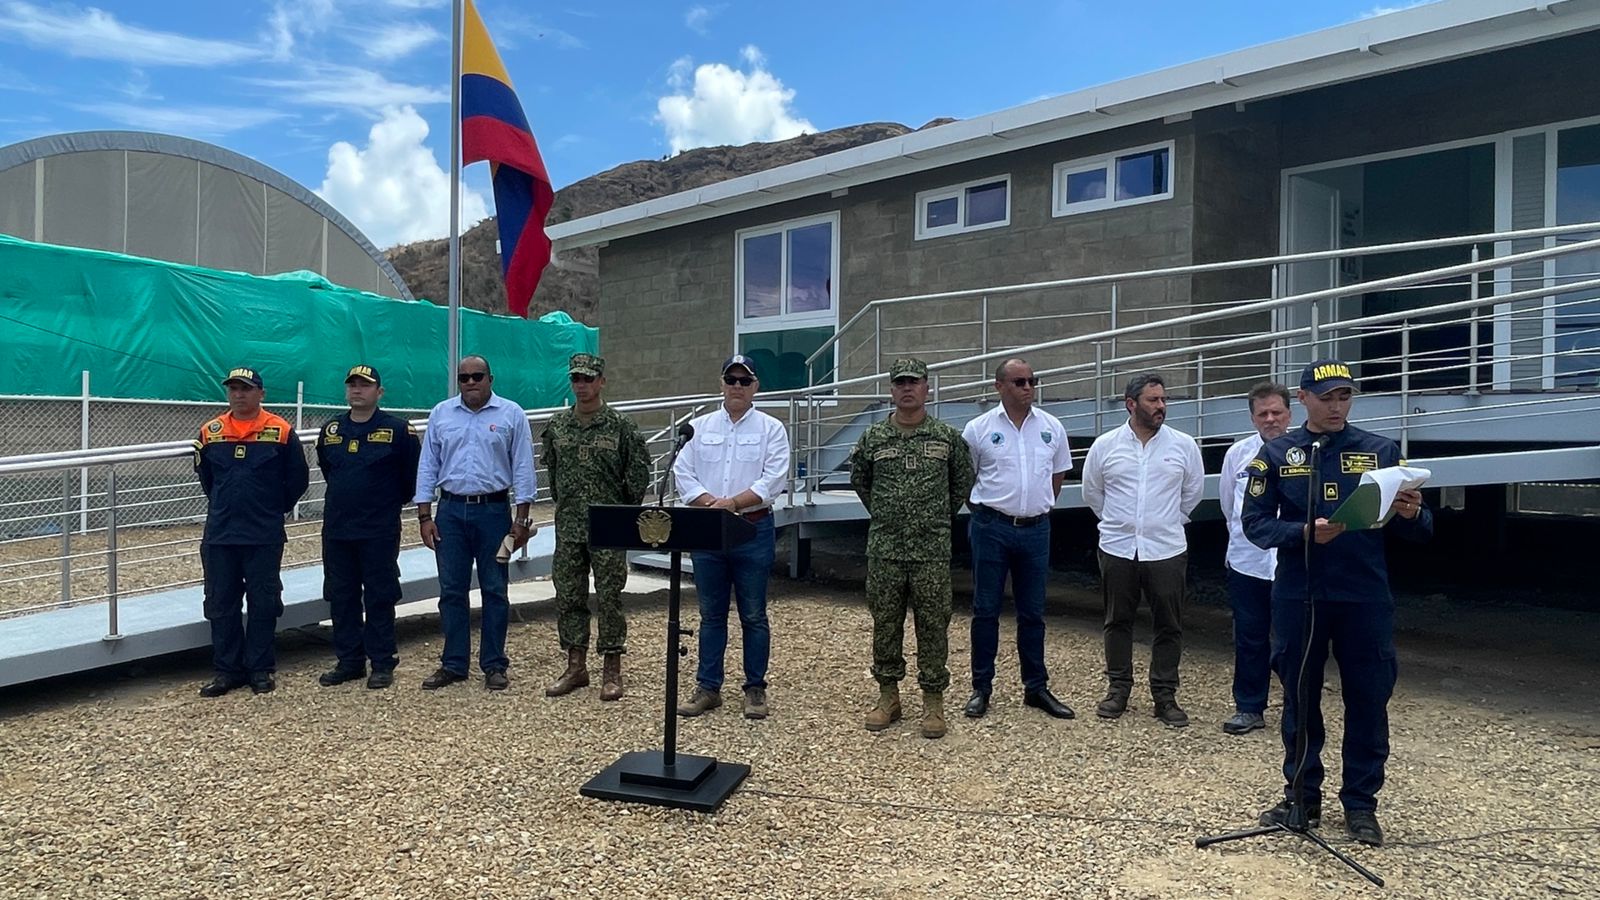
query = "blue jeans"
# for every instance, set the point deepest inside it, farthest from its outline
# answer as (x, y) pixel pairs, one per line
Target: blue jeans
(999, 548)
(1361, 636)
(1251, 599)
(471, 533)
(744, 570)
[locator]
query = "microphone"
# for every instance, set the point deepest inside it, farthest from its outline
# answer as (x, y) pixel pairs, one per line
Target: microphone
(685, 432)
(1316, 445)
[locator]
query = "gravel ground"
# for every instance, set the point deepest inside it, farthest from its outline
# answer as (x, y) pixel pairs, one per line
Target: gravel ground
(130, 785)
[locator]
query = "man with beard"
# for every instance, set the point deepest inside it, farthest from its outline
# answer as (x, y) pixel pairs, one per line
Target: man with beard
(1142, 480)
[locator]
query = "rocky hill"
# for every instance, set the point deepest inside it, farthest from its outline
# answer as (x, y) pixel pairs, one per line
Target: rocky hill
(571, 288)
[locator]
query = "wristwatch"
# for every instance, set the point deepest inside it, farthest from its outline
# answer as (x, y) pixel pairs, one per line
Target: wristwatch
(525, 523)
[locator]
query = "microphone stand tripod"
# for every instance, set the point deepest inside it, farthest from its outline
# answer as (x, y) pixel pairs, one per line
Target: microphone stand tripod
(1299, 823)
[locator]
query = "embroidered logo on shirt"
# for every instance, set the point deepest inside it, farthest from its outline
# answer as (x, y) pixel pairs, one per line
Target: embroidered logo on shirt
(238, 451)
(1048, 437)
(1351, 463)
(270, 433)
(1295, 456)
(1330, 490)
(382, 436)
(1258, 486)
(996, 438)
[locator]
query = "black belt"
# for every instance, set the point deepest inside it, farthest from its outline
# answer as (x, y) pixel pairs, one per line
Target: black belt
(1016, 521)
(495, 497)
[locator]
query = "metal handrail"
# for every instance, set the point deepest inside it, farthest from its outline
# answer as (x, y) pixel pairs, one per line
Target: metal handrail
(1204, 268)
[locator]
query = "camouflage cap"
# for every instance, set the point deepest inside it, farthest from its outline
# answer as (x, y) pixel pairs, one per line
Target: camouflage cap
(587, 364)
(908, 367)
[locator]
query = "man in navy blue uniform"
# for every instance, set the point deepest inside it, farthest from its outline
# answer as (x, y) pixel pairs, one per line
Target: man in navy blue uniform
(252, 470)
(1353, 611)
(369, 460)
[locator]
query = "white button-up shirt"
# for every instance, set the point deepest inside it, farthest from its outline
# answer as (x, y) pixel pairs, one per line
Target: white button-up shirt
(1143, 492)
(1016, 466)
(726, 458)
(1243, 557)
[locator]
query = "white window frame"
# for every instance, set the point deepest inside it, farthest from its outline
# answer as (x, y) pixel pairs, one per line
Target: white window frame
(1108, 162)
(958, 192)
(785, 321)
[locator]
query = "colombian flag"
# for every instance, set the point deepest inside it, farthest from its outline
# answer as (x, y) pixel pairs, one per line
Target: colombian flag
(494, 128)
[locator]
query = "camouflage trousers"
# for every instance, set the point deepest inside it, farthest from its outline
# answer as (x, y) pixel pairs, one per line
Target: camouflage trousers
(924, 586)
(569, 569)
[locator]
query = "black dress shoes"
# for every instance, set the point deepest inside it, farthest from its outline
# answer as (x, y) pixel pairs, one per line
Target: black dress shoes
(978, 706)
(220, 685)
(379, 679)
(441, 678)
(339, 675)
(262, 683)
(496, 680)
(1362, 824)
(1043, 699)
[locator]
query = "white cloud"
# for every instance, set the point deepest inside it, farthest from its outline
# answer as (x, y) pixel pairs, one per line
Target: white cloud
(394, 189)
(395, 41)
(194, 121)
(95, 34)
(698, 17)
(722, 105)
(1385, 10)
(350, 87)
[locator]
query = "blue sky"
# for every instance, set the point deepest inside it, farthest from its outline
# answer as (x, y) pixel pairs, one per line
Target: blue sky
(351, 97)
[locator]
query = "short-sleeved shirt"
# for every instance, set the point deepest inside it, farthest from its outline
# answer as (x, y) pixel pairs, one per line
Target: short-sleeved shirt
(1016, 467)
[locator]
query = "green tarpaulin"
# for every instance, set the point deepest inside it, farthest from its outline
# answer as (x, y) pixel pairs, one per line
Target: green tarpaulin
(156, 330)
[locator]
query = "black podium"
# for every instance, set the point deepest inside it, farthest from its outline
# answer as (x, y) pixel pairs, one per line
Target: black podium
(665, 777)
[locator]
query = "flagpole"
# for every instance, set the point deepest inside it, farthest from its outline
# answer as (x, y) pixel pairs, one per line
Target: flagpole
(455, 198)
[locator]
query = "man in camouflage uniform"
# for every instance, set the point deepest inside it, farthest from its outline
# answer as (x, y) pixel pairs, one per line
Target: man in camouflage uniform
(912, 473)
(595, 455)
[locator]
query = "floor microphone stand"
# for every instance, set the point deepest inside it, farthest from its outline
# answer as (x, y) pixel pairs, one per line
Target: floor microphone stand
(1299, 819)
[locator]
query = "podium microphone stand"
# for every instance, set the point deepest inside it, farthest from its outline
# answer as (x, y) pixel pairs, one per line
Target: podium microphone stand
(666, 777)
(1299, 819)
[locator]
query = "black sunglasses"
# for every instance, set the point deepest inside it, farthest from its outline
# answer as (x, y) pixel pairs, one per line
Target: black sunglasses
(1024, 382)
(579, 376)
(740, 380)
(465, 377)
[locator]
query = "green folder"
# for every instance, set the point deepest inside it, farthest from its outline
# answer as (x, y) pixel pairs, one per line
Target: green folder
(1359, 511)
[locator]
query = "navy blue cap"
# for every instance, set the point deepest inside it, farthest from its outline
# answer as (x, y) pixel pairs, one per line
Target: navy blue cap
(245, 374)
(1326, 375)
(739, 359)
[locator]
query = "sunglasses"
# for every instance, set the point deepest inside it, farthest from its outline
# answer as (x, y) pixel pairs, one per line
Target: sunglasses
(579, 377)
(465, 377)
(1024, 382)
(740, 380)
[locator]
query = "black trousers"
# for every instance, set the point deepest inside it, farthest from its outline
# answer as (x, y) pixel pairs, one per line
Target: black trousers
(1163, 583)
(361, 582)
(241, 647)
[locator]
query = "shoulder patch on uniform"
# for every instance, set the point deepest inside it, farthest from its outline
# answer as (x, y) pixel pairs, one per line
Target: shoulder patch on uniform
(214, 426)
(1260, 465)
(331, 427)
(1258, 486)
(381, 436)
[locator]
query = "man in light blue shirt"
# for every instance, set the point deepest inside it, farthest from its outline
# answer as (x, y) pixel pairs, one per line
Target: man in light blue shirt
(478, 455)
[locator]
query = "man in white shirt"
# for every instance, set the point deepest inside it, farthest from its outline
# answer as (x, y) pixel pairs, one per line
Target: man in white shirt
(738, 460)
(1250, 568)
(1143, 480)
(1022, 456)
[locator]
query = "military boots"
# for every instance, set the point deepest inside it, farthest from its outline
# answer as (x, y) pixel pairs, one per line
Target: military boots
(887, 712)
(576, 675)
(932, 714)
(611, 677)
